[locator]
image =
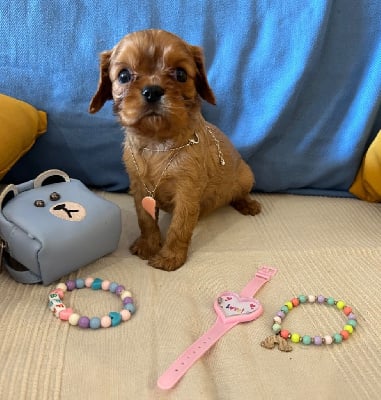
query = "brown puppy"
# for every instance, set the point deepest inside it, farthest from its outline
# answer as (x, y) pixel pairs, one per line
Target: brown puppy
(176, 160)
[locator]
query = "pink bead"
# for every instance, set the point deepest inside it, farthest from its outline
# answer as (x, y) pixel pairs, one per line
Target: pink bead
(89, 281)
(65, 314)
(126, 315)
(106, 285)
(105, 321)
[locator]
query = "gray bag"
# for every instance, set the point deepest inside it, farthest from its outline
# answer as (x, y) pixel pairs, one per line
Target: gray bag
(53, 225)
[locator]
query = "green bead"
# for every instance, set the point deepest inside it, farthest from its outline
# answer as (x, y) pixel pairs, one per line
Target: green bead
(306, 339)
(276, 328)
(302, 298)
(352, 322)
(337, 338)
(284, 309)
(331, 301)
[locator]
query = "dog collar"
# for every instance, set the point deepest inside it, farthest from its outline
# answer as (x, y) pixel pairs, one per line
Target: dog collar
(231, 309)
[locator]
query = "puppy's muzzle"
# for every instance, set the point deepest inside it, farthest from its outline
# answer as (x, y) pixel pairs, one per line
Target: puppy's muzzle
(153, 93)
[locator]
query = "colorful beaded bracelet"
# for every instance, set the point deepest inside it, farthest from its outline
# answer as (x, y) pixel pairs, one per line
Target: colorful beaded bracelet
(113, 318)
(282, 335)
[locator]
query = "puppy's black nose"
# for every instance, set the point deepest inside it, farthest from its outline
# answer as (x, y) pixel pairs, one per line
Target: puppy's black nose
(152, 93)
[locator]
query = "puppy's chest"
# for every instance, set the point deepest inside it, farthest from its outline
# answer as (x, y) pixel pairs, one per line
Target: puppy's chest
(154, 172)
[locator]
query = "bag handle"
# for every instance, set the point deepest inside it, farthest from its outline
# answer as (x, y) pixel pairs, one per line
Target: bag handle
(45, 178)
(50, 176)
(8, 193)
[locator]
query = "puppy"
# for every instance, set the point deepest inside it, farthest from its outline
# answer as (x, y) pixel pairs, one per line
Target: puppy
(176, 160)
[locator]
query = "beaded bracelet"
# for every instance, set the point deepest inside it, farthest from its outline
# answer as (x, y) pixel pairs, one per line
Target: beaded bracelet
(113, 318)
(282, 335)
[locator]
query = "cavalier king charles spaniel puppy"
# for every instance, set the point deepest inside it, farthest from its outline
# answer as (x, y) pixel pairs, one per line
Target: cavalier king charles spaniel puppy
(176, 161)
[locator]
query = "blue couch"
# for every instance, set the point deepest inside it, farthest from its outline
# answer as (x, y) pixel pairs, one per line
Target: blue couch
(297, 83)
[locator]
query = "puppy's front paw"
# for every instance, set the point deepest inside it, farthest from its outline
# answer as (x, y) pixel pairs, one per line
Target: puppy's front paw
(167, 261)
(145, 248)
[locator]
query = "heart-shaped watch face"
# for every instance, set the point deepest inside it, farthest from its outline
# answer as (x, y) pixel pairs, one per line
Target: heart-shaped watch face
(231, 307)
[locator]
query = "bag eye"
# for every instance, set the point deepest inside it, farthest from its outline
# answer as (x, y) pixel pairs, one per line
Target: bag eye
(124, 76)
(181, 75)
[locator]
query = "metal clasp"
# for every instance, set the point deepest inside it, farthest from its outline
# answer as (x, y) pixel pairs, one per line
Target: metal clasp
(194, 141)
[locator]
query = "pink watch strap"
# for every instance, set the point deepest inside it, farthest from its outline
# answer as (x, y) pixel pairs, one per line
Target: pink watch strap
(263, 275)
(231, 309)
(176, 371)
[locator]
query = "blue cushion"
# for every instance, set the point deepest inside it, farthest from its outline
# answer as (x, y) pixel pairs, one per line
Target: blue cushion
(297, 83)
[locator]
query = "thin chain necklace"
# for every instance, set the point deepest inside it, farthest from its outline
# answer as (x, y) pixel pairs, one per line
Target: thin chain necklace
(149, 202)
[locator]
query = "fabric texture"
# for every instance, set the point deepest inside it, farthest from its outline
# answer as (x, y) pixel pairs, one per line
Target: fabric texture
(319, 245)
(20, 126)
(367, 185)
(297, 84)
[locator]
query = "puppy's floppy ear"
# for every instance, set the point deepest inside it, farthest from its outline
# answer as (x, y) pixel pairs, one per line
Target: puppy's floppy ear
(202, 84)
(104, 90)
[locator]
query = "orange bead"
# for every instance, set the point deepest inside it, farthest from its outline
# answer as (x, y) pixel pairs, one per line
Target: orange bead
(295, 301)
(344, 334)
(284, 333)
(347, 310)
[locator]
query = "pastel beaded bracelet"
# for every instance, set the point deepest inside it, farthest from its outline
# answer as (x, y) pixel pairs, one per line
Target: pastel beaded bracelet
(113, 318)
(282, 335)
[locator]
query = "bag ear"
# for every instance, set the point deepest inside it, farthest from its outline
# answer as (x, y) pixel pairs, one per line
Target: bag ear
(202, 84)
(50, 176)
(104, 90)
(8, 193)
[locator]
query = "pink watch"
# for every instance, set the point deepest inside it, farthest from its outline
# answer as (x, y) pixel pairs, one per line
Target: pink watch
(231, 309)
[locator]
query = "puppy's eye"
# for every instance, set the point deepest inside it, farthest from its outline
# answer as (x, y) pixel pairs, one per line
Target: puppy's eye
(181, 75)
(124, 76)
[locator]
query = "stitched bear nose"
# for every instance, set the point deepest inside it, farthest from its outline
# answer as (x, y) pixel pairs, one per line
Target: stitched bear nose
(152, 93)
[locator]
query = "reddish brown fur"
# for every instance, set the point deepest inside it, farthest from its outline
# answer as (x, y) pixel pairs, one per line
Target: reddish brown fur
(195, 183)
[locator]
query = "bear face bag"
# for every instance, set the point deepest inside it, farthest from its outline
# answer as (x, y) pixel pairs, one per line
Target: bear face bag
(53, 225)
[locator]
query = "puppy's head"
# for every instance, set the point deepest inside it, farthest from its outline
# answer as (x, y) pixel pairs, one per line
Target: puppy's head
(155, 80)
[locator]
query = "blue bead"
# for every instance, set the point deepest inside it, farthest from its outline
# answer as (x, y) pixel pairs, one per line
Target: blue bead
(113, 286)
(130, 307)
(97, 284)
(79, 283)
(95, 323)
(116, 318)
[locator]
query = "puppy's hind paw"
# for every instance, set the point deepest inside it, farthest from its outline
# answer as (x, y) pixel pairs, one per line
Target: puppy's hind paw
(247, 206)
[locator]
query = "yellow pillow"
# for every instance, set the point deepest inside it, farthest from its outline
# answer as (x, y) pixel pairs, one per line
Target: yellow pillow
(20, 126)
(367, 184)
